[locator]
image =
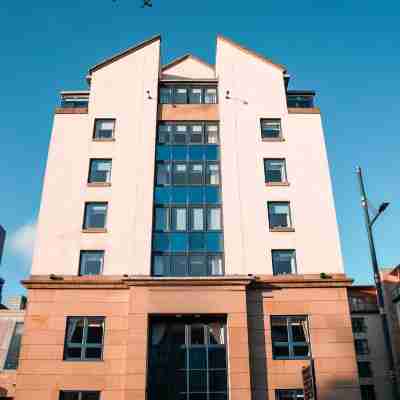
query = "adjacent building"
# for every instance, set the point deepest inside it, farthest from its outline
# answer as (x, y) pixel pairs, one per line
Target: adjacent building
(187, 243)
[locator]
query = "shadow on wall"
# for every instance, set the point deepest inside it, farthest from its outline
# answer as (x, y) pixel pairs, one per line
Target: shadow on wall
(3, 392)
(257, 350)
(339, 389)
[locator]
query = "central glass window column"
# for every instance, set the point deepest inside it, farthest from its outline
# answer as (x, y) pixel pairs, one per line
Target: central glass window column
(187, 220)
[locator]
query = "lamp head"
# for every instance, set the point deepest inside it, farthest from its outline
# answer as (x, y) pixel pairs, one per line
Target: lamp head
(383, 207)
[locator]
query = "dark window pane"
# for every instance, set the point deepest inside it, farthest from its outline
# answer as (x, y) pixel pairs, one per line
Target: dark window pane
(177, 332)
(218, 381)
(104, 129)
(279, 215)
(196, 134)
(91, 262)
(197, 242)
(90, 396)
(179, 195)
(95, 215)
(178, 266)
(279, 329)
(180, 134)
(161, 242)
(197, 381)
(75, 330)
(195, 96)
(289, 394)
(161, 219)
(179, 176)
(94, 331)
(181, 96)
(280, 351)
(358, 325)
(180, 381)
(300, 350)
(69, 395)
(160, 265)
(218, 396)
(197, 396)
(197, 357)
(163, 174)
(15, 347)
(197, 265)
(93, 353)
(100, 170)
(197, 334)
(196, 174)
(74, 353)
(270, 128)
(367, 392)
(217, 357)
(299, 329)
(164, 134)
(284, 262)
(165, 95)
(179, 242)
(275, 170)
(364, 369)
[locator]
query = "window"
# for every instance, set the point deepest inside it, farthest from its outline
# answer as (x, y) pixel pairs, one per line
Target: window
(271, 129)
(15, 347)
(361, 346)
(214, 219)
(95, 216)
(165, 95)
(188, 133)
(212, 174)
(104, 129)
(197, 219)
(178, 219)
(275, 170)
(100, 170)
(279, 215)
(212, 134)
(163, 174)
(290, 337)
(364, 369)
(181, 96)
(284, 262)
(289, 394)
(187, 359)
(195, 96)
(81, 395)
(367, 392)
(188, 95)
(210, 96)
(91, 262)
(84, 338)
(179, 174)
(358, 325)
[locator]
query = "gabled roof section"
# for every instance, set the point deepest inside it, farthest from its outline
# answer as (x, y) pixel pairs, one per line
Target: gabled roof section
(252, 53)
(124, 53)
(188, 67)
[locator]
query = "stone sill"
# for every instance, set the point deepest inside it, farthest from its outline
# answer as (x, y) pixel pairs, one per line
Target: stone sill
(94, 230)
(277, 184)
(281, 230)
(99, 184)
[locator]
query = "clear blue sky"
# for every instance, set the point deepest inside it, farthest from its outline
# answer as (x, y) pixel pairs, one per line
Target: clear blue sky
(348, 51)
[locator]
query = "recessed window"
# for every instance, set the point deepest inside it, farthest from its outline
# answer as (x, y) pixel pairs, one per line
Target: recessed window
(275, 170)
(188, 95)
(180, 134)
(212, 134)
(79, 395)
(91, 262)
(290, 337)
(84, 338)
(210, 96)
(179, 174)
(95, 216)
(279, 215)
(212, 174)
(181, 96)
(289, 394)
(195, 95)
(179, 219)
(214, 222)
(163, 176)
(165, 95)
(364, 369)
(271, 128)
(15, 347)
(361, 346)
(196, 134)
(358, 325)
(196, 219)
(367, 392)
(284, 262)
(104, 129)
(100, 170)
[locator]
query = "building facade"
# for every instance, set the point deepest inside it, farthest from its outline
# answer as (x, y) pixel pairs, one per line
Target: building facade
(187, 244)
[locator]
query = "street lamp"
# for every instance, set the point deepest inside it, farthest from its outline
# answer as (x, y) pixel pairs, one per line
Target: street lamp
(377, 278)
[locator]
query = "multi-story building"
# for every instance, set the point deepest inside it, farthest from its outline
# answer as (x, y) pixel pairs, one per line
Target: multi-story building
(187, 244)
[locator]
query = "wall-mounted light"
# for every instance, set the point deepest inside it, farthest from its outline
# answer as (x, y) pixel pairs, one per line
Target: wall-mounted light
(148, 95)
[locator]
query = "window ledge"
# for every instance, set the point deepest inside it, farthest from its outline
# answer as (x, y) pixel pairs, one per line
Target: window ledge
(281, 229)
(279, 139)
(277, 184)
(104, 140)
(94, 230)
(99, 184)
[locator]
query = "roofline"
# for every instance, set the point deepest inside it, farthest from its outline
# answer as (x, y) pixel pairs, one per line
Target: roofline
(183, 58)
(252, 52)
(301, 92)
(122, 54)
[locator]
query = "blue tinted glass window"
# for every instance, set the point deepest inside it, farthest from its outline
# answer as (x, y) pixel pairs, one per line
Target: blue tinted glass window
(212, 152)
(179, 153)
(179, 195)
(161, 219)
(179, 265)
(161, 242)
(213, 195)
(196, 153)
(162, 195)
(214, 242)
(196, 195)
(197, 242)
(179, 242)
(163, 153)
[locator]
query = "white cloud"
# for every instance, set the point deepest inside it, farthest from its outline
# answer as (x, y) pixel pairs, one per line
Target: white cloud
(23, 239)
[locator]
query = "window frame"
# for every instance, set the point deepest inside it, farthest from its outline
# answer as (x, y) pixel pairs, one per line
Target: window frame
(82, 253)
(294, 253)
(291, 344)
(283, 172)
(367, 367)
(80, 393)
(290, 226)
(12, 355)
(174, 88)
(365, 349)
(271, 138)
(363, 325)
(83, 345)
(93, 182)
(105, 139)
(87, 228)
(291, 392)
(370, 388)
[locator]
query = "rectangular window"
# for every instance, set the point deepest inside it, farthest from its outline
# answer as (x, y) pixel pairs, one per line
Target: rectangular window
(195, 96)
(358, 325)
(279, 215)
(367, 392)
(161, 265)
(104, 129)
(212, 174)
(100, 170)
(361, 346)
(187, 359)
(196, 134)
(197, 219)
(210, 96)
(91, 262)
(79, 395)
(84, 338)
(364, 369)
(164, 133)
(95, 216)
(215, 264)
(290, 337)
(289, 394)
(179, 174)
(180, 134)
(161, 222)
(178, 220)
(165, 95)
(284, 262)
(275, 170)
(196, 174)
(15, 347)
(212, 134)
(181, 96)
(271, 128)
(214, 219)
(163, 176)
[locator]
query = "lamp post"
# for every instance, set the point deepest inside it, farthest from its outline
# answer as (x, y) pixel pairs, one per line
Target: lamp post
(377, 278)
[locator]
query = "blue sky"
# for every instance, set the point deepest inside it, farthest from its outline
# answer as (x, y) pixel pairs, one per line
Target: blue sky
(348, 51)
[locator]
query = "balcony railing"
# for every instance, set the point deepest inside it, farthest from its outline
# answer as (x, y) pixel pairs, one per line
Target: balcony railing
(74, 99)
(359, 307)
(300, 99)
